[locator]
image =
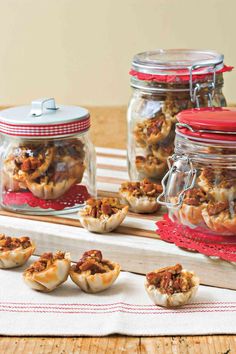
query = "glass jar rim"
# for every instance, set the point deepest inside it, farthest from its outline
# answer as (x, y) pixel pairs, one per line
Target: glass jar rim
(175, 61)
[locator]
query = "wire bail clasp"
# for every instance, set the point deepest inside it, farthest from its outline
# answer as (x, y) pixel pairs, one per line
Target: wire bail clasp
(190, 174)
(194, 90)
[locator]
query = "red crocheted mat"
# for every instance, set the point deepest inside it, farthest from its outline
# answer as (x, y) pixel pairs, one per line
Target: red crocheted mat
(76, 195)
(223, 247)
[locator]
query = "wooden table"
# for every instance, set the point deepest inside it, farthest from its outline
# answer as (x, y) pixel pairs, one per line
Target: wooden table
(109, 129)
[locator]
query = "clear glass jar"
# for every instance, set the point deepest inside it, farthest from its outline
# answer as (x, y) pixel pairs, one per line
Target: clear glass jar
(53, 171)
(200, 187)
(165, 83)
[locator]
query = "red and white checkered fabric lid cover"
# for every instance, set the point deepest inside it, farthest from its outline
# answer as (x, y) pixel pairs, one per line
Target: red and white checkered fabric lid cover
(44, 119)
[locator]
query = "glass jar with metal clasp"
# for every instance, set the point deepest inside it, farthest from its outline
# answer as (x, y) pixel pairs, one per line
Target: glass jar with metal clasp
(199, 189)
(164, 83)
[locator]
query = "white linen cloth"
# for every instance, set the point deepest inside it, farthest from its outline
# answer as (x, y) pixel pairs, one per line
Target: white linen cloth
(125, 308)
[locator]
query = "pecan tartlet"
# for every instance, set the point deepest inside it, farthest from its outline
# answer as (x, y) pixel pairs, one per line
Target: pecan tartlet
(15, 251)
(27, 163)
(48, 272)
(92, 273)
(150, 166)
(102, 215)
(219, 184)
(152, 131)
(162, 152)
(47, 170)
(195, 200)
(221, 216)
(66, 169)
(171, 286)
(141, 196)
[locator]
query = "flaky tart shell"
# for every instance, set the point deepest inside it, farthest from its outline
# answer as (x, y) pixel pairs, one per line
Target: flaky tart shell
(105, 224)
(94, 283)
(151, 170)
(162, 154)
(54, 190)
(50, 278)
(50, 190)
(9, 167)
(142, 204)
(164, 132)
(218, 193)
(176, 299)
(191, 214)
(16, 257)
(49, 156)
(222, 222)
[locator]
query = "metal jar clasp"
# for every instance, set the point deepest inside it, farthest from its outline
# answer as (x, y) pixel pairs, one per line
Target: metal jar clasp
(194, 90)
(190, 178)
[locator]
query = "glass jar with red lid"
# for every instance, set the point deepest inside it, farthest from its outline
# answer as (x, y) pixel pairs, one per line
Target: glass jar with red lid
(164, 83)
(47, 159)
(200, 187)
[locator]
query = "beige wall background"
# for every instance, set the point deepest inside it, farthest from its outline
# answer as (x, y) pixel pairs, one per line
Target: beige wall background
(79, 51)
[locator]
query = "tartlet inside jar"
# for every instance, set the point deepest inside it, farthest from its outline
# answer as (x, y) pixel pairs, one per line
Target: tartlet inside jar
(171, 286)
(220, 217)
(102, 215)
(154, 136)
(92, 273)
(190, 212)
(46, 169)
(141, 196)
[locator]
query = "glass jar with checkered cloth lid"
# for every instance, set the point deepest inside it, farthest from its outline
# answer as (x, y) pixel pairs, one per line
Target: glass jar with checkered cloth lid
(47, 158)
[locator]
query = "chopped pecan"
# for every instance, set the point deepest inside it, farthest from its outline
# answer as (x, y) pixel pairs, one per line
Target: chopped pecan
(11, 243)
(93, 254)
(105, 206)
(170, 280)
(155, 126)
(143, 188)
(92, 261)
(45, 260)
(216, 208)
(195, 197)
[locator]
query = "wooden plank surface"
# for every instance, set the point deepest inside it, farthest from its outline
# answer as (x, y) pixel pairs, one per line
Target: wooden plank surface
(120, 345)
(105, 122)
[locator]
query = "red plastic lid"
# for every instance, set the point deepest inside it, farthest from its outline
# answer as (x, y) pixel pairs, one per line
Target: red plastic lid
(208, 123)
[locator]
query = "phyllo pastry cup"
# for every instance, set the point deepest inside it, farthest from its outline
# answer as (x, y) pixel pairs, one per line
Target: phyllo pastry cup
(48, 272)
(141, 197)
(171, 286)
(219, 184)
(150, 166)
(92, 273)
(221, 217)
(102, 215)
(14, 251)
(194, 202)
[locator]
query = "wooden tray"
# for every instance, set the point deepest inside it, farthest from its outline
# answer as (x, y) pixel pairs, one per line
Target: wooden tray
(135, 244)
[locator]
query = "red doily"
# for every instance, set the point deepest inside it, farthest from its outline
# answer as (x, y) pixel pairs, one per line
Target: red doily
(183, 75)
(210, 245)
(76, 195)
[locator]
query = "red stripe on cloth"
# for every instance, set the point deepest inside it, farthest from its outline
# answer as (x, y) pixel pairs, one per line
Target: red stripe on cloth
(113, 303)
(120, 311)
